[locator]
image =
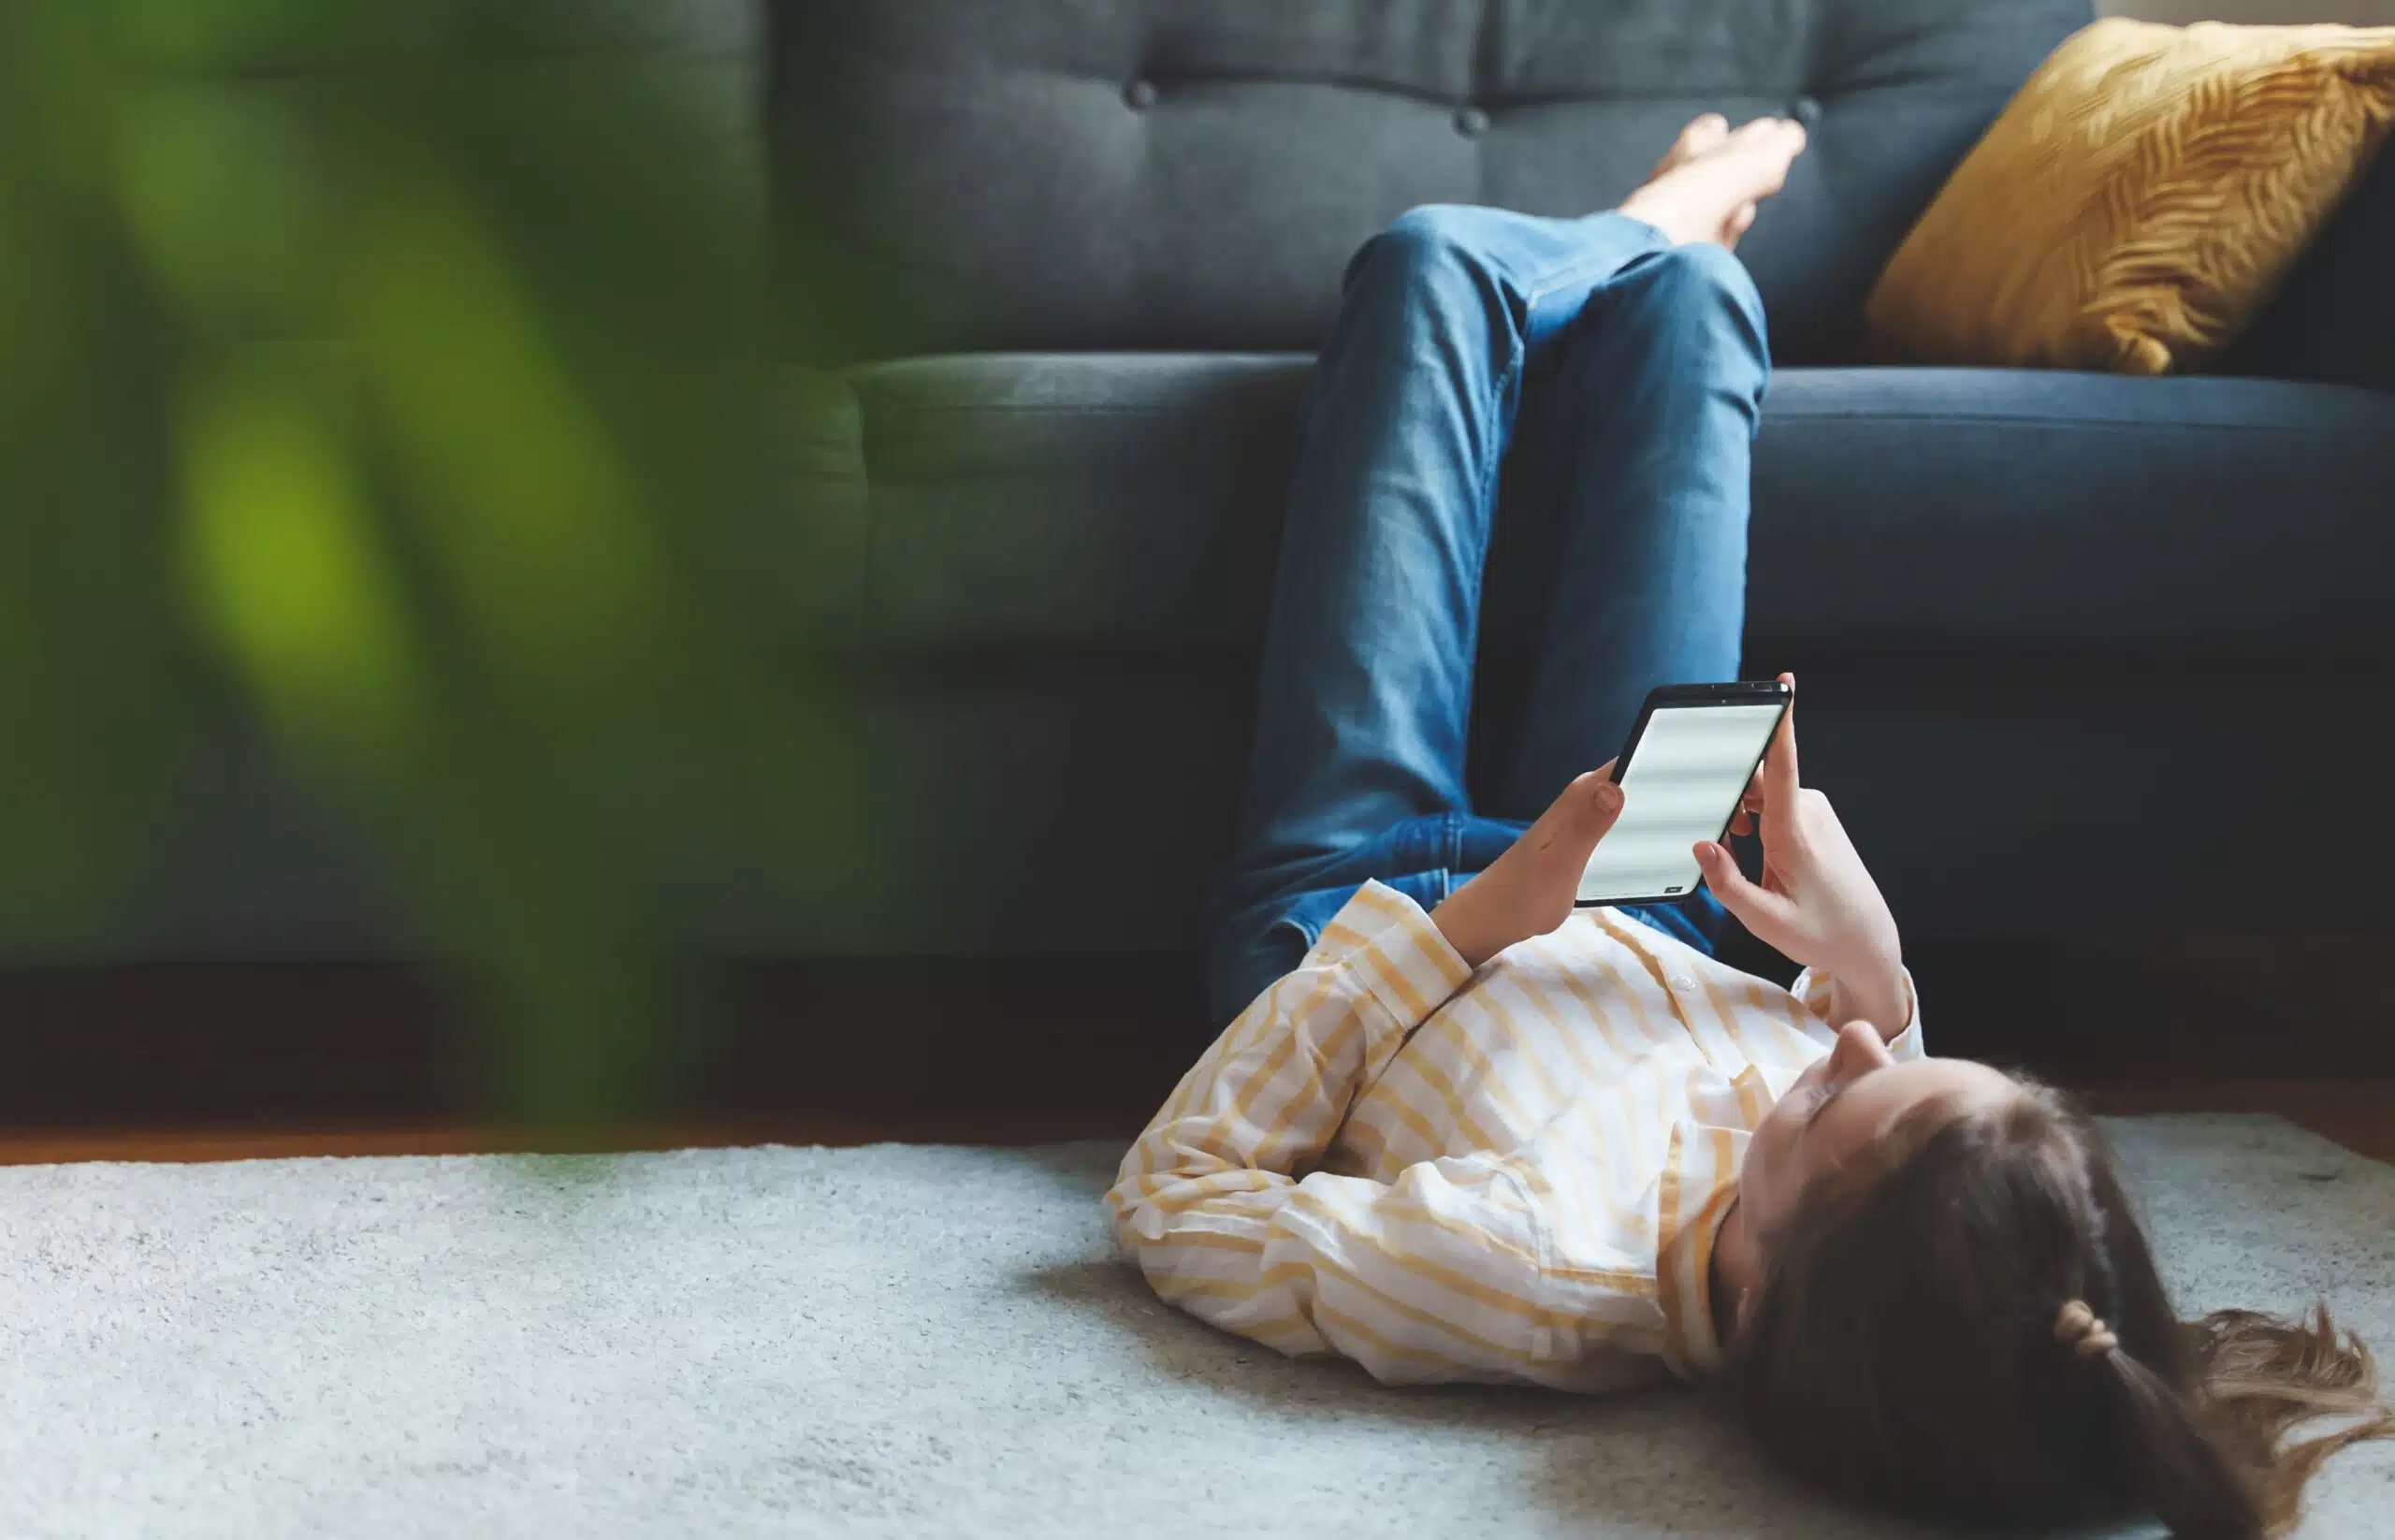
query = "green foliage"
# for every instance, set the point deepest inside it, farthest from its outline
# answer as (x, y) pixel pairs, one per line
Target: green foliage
(390, 376)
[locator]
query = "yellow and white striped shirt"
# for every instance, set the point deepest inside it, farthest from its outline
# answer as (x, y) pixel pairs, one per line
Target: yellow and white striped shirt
(1514, 1174)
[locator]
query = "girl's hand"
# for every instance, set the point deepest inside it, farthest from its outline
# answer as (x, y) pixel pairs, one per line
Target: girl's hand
(1528, 889)
(1816, 904)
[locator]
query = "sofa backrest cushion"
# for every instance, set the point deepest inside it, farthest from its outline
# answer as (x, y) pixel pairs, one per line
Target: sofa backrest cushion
(1165, 174)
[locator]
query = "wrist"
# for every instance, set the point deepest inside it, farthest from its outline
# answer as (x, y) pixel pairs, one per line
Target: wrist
(1461, 920)
(1871, 989)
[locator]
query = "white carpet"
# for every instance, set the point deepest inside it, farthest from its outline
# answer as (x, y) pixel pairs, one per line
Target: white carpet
(893, 1341)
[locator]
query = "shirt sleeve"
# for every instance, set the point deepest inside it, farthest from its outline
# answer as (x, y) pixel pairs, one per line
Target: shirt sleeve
(1813, 991)
(1431, 1277)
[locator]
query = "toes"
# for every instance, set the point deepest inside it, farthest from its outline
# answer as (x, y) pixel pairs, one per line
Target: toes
(1768, 148)
(1699, 135)
(1779, 133)
(1785, 135)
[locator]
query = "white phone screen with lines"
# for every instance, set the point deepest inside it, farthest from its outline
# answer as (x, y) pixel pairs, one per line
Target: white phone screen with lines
(1683, 781)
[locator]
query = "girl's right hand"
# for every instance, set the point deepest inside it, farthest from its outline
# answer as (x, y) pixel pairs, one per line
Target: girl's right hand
(1528, 889)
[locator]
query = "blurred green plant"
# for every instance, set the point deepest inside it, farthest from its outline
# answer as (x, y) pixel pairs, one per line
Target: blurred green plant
(392, 375)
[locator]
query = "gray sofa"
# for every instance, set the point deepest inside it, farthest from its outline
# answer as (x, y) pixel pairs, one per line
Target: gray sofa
(2081, 655)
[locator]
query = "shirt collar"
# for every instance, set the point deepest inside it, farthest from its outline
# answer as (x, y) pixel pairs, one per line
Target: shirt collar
(1700, 1180)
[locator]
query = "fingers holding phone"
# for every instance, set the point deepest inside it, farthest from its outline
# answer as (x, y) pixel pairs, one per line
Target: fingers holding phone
(1781, 750)
(1528, 891)
(1742, 822)
(1816, 903)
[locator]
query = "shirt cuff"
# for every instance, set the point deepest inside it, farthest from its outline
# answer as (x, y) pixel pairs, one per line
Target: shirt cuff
(1907, 1043)
(1406, 960)
(1812, 987)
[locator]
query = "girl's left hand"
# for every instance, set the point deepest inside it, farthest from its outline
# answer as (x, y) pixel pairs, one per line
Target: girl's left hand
(1816, 903)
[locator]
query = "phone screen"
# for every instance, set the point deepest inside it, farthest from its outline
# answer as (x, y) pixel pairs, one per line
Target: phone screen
(1683, 781)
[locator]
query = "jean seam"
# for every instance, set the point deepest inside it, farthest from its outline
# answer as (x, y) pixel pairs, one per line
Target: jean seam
(1491, 476)
(1574, 272)
(1560, 278)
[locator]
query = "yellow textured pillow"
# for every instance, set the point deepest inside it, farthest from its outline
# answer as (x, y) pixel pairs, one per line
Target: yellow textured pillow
(2140, 197)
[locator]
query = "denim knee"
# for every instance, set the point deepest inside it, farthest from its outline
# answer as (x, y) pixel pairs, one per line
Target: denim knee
(1432, 237)
(1705, 288)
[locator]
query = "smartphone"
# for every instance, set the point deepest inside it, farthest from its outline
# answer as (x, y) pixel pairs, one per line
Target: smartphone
(1682, 775)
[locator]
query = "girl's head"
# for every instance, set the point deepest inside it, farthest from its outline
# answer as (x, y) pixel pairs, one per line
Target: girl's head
(1958, 1315)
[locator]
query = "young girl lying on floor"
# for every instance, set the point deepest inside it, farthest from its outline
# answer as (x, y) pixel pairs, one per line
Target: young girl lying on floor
(1461, 1131)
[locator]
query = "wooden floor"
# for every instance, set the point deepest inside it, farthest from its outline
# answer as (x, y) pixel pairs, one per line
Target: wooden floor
(272, 1140)
(229, 1062)
(2359, 1115)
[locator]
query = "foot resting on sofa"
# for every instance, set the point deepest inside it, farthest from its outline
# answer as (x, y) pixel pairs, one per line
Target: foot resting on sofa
(1708, 185)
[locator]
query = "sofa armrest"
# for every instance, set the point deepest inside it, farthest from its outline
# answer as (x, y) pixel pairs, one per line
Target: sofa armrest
(2333, 320)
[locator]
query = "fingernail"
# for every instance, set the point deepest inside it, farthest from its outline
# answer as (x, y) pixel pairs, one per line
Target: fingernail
(1608, 795)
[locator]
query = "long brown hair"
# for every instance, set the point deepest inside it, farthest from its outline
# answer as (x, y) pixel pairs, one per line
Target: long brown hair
(1902, 1347)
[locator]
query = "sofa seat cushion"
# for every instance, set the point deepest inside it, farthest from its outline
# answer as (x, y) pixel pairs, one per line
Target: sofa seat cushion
(1076, 502)
(2037, 512)
(1130, 504)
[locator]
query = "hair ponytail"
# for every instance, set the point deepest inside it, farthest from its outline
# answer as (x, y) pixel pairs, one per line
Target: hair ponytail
(2181, 1471)
(1973, 1328)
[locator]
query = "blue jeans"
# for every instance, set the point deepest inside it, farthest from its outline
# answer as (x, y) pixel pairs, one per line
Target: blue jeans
(1603, 385)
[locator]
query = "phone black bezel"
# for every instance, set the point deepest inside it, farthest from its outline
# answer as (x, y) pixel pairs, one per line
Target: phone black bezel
(1734, 693)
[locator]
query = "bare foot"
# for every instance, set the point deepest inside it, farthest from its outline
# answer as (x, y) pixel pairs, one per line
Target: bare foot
(1707, 185)
(1528, 891)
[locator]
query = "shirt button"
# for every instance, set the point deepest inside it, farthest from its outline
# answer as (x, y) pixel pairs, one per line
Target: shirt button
(1472, 122)
(1807, 110)
(1681, 981)
(1139, 95)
